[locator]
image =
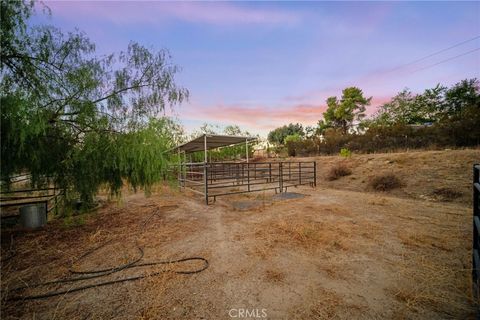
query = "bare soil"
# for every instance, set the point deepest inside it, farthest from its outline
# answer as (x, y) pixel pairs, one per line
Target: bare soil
(341, 252)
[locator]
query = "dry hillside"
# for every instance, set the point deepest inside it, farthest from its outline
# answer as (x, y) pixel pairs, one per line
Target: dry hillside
(429, 175)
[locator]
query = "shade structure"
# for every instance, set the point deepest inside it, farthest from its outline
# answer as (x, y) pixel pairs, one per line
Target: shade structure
(211, 141)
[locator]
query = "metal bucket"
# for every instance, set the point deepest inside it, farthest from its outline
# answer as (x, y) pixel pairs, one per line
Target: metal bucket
(33, 216)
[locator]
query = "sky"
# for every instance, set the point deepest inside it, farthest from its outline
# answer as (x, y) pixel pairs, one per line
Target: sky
(261, 65)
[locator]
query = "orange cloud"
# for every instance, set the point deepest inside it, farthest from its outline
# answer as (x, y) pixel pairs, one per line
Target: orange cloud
(259, 117)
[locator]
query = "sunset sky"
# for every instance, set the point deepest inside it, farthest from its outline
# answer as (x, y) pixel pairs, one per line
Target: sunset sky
(264, 64)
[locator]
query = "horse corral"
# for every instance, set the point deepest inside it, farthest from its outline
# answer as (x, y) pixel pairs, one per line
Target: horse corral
(214, 179)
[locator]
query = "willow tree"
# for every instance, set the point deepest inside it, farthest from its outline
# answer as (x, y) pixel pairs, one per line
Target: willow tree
(80, 119)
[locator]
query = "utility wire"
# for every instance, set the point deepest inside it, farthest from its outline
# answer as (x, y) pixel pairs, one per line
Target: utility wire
(446, 60)
(433, 54)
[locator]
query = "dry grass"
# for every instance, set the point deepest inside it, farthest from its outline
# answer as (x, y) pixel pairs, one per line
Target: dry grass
(274, 276)
(302, 232)
(385, 182)
(423, 286)
(337, 171)
(446, 194)
(329, 305)
(419, 170)
(46, 254)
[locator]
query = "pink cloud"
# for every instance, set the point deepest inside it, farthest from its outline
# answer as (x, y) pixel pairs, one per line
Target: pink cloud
(259, 117)
(218, 13)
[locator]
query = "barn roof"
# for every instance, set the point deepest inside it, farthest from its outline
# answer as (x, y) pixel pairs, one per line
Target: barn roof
(213, 141)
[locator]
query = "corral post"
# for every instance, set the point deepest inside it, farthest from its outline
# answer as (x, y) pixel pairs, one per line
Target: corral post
(315, 173)
(299, 172)
(205, 171)
(206, 184)
(179, 169)
(476, 229)
(248, 177)
(56, 202)
(280, 176)
(270, 172)
(246, 148)
(476, 192)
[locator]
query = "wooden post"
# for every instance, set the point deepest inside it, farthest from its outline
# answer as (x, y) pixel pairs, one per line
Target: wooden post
(246, 148)
(315, 173)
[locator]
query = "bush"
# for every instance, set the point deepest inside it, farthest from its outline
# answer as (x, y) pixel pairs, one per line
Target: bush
(385, 182)
(291, 142)
(338, 171)
(446, 194)
(345, 152)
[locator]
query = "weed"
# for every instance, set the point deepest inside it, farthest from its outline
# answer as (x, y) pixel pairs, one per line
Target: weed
(338, 171)
(345, 152)
(446, 194)
(385, 182)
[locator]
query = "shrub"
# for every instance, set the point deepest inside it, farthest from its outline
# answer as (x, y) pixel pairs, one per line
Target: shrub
(291, 143)
(446, 194)
(345, 152)
(338, 171)
(385, 182)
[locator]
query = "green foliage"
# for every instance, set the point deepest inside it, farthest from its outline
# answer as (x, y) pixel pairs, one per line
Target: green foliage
(278, 135)
(341, 114)
(345, 152)
(432, 106)
(291, 142)
(293, 138)
(226, 153)
(79, 119)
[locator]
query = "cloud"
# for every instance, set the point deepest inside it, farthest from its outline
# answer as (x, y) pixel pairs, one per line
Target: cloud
(128, 13)
(259, 117)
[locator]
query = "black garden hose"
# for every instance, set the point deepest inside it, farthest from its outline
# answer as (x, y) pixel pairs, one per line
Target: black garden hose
(91, 274)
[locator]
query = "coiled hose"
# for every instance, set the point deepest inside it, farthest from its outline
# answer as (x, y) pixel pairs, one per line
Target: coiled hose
(97, 273)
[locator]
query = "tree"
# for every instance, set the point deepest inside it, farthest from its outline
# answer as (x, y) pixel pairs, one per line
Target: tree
(234, 130)
(291, 143)
(341, 114)
(433, 105)
(79, 119)
(461, 96)
(402, 109)
(278, 135)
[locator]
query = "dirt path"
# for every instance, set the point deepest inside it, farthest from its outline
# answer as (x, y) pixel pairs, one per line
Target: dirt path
(334, 254)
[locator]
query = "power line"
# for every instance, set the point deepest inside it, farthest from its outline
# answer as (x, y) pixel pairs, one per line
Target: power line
(433, 54)
(446, 60)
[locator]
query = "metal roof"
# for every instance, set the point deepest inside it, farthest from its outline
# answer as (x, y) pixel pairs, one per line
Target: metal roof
(213, 141)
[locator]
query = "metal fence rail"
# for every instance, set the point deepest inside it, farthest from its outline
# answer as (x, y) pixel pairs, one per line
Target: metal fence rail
(226, 178)
(476, 231)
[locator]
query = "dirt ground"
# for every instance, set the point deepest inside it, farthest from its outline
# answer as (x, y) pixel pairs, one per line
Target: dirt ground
(341, 252)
